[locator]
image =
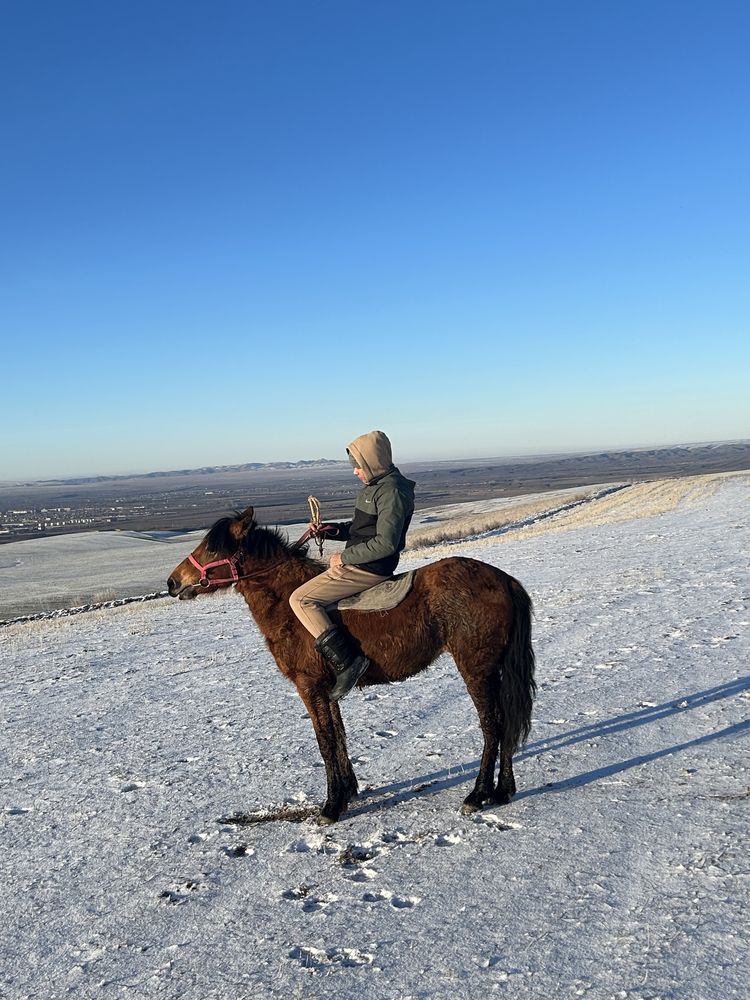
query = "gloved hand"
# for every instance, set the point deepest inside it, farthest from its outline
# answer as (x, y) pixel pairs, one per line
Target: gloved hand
(324, 530)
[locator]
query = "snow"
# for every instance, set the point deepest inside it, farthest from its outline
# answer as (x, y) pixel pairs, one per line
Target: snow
(133, 735)
(41, 574)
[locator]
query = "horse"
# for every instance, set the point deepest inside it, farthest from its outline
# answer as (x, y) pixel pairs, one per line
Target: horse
(474, 611)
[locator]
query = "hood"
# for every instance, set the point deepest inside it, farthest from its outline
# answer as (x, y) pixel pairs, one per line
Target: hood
(371, 453)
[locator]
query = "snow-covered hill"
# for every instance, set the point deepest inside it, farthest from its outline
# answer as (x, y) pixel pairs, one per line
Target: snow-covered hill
(132, 736)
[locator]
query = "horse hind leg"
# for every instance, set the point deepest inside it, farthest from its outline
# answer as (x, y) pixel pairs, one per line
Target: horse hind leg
(483, 693)
(506, 782)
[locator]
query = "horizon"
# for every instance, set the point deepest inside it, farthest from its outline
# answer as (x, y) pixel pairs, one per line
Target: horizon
(491, 230)
(506, 458)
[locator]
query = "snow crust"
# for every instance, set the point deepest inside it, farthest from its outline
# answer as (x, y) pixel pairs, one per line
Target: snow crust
(132, 736)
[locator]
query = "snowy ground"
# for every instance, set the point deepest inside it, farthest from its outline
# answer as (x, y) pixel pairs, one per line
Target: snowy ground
(619, 870)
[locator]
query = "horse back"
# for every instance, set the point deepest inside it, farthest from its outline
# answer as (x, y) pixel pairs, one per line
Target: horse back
(455, 604)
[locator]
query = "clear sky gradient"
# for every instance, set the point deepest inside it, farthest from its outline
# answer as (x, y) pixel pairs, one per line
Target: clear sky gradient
(244, 231)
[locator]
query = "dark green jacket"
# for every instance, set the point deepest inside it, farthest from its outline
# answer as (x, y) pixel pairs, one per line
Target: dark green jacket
(376, 536)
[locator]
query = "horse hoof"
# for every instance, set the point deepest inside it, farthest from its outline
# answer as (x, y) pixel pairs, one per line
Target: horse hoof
(469, 808)
(329, 814)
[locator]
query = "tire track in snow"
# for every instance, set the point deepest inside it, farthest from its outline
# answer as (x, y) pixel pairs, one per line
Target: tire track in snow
(533, 519)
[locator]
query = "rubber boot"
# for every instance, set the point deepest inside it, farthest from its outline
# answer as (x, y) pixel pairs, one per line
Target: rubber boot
(337, 648)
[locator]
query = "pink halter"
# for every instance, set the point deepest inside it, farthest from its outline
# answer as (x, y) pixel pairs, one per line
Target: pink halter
(205, 582)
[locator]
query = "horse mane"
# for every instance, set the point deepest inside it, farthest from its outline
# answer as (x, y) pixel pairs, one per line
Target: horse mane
(259, 541)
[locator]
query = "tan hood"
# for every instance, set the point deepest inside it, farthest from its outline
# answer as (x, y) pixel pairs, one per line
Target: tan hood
(372, 453)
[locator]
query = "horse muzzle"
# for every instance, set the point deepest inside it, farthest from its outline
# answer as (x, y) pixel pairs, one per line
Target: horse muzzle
(183, 591)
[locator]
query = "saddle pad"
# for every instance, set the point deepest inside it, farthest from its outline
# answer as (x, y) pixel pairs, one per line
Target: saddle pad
(382, 597)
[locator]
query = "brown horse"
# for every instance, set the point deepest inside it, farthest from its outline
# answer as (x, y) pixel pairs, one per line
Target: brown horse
(476, 612)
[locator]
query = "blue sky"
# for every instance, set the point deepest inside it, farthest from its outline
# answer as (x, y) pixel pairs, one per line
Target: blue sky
(239, 231)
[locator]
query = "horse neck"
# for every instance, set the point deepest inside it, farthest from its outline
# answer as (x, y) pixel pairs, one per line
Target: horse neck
(267, 594)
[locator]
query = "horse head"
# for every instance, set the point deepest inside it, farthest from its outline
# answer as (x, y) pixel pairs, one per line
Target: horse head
(213, 564)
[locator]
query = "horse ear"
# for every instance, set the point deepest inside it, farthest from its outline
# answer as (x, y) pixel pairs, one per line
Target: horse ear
(243, 522)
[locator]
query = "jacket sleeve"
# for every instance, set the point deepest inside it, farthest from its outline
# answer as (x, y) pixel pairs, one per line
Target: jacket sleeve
(392, 512)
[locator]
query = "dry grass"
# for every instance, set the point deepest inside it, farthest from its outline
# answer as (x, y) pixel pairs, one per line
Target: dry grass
(459, 528)
(640, 501)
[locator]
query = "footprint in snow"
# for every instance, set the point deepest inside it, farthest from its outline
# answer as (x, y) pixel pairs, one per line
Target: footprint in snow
(363, 875)
(238, 851)
(358, 854)
(397, 837)
(405, 902)
(493, 821)
(314, 845)
(316, 905)
(310, 904)
(316, 958)
(133, 786)
(397, 902)
(355, 859)
(301, 847)
(447, 839)
(181, 893)
(386, 733)
(299, 893)
(200, 838)
(377, 897)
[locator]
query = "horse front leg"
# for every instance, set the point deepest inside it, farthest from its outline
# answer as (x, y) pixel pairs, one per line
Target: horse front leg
(338, 779)
(345, 764)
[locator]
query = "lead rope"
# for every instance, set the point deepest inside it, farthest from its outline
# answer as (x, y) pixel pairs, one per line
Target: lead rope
(315, 521)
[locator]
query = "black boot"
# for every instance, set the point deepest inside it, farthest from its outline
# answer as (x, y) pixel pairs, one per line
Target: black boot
(337, 647)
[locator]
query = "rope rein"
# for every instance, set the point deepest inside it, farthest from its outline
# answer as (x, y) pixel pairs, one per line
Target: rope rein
(316, 522)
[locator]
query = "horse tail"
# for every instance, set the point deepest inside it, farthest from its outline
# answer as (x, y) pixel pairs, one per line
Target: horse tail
(517, 684)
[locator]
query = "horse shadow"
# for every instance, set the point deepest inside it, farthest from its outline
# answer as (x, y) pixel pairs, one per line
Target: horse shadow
(384, 796)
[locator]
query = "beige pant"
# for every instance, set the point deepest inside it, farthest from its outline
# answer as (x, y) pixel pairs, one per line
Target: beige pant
(309, 600)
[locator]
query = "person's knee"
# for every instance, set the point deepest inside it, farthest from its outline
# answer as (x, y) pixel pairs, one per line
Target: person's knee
(295, 599)
(300, 601)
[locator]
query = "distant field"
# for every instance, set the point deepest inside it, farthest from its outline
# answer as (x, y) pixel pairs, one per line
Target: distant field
(191, 501)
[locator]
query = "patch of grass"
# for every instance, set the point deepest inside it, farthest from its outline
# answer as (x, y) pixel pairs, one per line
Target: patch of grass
(480, 524)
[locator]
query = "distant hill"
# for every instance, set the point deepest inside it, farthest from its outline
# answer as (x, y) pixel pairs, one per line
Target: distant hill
(314, 463)
(529, 470)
